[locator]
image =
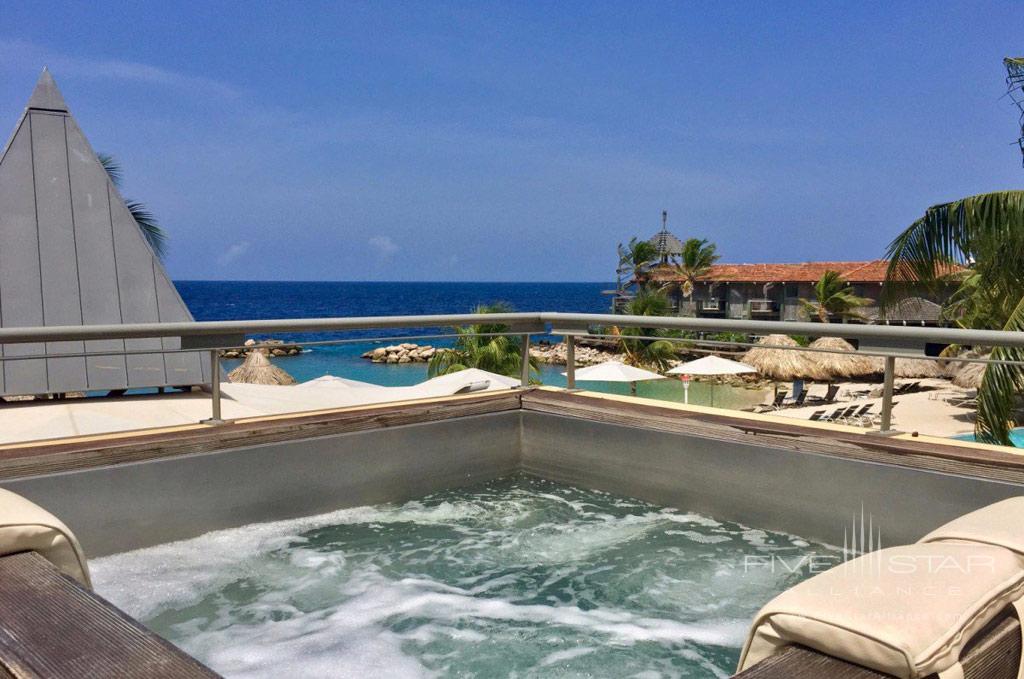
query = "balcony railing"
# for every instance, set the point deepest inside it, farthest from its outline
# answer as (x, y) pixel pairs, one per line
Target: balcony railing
(890, 342)
(762, 306)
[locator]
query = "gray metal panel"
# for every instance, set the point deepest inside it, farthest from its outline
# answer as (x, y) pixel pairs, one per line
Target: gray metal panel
(46, 95)
(21, 301)
(71, 255)
(181, 368)
(95, 243)
(143, 502)
(58, 255)
(756, 484)
(138, 294)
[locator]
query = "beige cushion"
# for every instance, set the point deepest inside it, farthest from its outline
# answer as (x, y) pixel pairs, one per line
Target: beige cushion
(906, 611)
(27, 527)
(1000, 524)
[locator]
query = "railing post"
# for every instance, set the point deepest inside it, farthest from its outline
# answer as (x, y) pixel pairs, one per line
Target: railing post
(214, 388)
(570, 362)
(890, 374)
(524, 379)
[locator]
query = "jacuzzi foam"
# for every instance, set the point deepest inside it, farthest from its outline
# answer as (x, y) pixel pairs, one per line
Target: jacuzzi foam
(519, 577)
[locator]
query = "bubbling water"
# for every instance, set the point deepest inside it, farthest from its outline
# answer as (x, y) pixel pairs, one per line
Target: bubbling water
(519, 577)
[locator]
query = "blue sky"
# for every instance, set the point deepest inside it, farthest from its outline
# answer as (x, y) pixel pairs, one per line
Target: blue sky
(522, 141)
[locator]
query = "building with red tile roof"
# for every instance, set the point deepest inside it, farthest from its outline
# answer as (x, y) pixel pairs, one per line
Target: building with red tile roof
(774, 291)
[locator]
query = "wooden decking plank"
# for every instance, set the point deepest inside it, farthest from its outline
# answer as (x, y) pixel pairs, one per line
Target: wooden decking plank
(52, 627)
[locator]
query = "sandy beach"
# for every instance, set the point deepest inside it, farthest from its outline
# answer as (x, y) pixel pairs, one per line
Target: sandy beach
(927, 411)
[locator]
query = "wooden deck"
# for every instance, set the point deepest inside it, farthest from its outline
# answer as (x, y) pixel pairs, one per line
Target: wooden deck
(49, 626)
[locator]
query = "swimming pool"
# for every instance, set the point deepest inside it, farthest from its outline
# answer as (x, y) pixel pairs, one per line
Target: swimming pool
(1016, 437)
(515, 577)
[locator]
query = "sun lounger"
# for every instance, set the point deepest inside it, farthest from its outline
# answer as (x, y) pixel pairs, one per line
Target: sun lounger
(775, 404)
(816, 416)
(861, 417)
(836, 415)
(830, 393)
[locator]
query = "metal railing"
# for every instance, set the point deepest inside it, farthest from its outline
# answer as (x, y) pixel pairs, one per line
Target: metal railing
(889, 342)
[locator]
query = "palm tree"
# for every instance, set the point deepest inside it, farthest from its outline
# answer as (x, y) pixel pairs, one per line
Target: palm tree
(154, 235)
(833, 297)
(978, 240)
(656, 354)
(476, 346)
(635, 258)
(698, 256)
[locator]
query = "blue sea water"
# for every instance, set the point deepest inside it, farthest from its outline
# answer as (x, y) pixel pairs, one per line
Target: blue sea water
(240, 300)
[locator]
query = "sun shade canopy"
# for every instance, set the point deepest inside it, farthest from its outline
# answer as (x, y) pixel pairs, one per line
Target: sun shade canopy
(712, 365)
(615, 371)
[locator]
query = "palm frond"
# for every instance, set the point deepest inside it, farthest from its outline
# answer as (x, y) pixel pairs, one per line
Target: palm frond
(151, 231)
(1000, 388)
(112, 167)
(984, 232)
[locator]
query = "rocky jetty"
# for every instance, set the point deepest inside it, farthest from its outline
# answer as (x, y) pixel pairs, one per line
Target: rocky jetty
(555, 354)
(407, 352)
(272, 347)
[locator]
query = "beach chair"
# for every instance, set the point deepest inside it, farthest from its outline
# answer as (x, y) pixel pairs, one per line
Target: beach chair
(776, 404)
(863, 416)
(816, 416)
(835, 415)
(799, 400)
(844, 413)
(876, 418)
(830, 394)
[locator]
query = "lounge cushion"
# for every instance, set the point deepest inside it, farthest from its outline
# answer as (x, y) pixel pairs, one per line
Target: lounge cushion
(27, 527)
(906, 611)
(999, 524)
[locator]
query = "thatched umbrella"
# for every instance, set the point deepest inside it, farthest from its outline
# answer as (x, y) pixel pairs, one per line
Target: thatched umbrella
(783, 364)
(911, 367)
(918, 367)
(846, 364)
(970, 375)
(258, 369)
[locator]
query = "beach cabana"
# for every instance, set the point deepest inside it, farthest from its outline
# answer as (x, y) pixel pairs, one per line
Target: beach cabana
(257, 369)
(848, 363)
(784, 365)
(616, 371)
(912, 367)
(709, 365)
(970, 375)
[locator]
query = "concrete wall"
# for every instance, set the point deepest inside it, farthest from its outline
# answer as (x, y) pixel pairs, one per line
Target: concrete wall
(813, 496)
(114, 509)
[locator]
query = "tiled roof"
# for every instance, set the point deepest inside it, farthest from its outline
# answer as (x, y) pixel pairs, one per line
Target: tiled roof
(805, 272)
(667, 243)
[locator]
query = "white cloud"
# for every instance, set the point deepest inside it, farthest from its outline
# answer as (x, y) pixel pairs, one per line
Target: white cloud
(234, 253)
(384, 245)
(12, 51)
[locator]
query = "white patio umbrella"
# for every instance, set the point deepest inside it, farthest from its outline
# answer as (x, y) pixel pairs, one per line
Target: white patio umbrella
(709, 365)
(616, 371)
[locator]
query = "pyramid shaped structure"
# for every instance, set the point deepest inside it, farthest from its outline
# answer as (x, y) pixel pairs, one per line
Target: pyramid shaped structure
(71, 254)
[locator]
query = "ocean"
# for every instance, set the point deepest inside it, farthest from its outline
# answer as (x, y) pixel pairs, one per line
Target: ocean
(240, 300)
